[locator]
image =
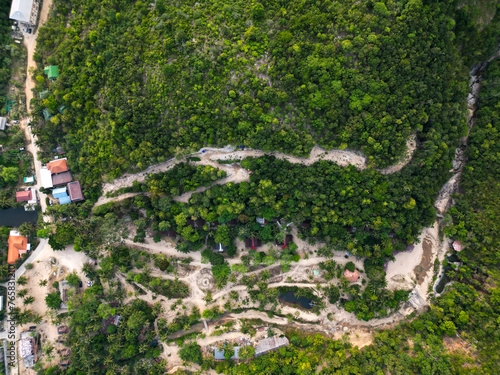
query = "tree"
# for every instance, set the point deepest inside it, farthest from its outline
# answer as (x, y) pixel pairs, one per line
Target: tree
(228, 351)
(191, 353)
(73, 279)
(10, 175)
(53, 300)
(350, 266)
(28, 300)
(247, 352)
(22, 280)
(26, 228)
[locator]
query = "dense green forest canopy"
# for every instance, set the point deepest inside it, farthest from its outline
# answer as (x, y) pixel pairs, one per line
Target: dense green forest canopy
(140, 83)
(5, 39)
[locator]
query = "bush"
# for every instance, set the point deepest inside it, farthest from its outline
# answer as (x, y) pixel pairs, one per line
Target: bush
(53, 300)
(192, 353)
(112, 329)
(350, 266)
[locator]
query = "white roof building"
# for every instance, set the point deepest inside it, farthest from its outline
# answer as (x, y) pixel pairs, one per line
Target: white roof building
(46, 178)
(24, 11)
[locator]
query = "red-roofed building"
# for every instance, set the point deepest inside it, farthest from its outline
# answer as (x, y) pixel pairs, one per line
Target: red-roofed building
(23, 196)
(57, 166)
(286, 242)
(252, 243)
(18, 245)
(75, 191)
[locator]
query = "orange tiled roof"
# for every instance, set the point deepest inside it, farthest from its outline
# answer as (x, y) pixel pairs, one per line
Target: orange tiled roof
(16, 243)
(57, 166)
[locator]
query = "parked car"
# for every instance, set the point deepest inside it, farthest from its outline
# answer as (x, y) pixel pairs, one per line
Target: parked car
(80, 284)
(15, 122)
(22, 149)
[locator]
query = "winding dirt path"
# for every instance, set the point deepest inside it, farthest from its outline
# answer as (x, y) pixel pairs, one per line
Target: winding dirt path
(236, 174)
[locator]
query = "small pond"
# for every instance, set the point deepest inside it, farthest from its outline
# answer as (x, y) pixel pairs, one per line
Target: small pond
(290, 297)
(14, 217)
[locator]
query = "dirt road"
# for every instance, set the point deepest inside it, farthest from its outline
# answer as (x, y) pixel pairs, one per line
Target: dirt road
(236, 174)
(30, 43)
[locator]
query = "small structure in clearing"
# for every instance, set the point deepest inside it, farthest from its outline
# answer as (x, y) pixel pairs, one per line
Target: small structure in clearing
(252, 243)
(51, 71)
(219, 354)
(457, 246)
(351, 276)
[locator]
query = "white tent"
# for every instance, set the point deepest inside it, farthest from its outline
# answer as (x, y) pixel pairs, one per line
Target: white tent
(20, 10)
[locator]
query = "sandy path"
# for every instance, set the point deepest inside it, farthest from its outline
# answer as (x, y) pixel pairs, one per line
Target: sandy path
(30, 43)
(411, 146)
(415, 269)
(211, 155)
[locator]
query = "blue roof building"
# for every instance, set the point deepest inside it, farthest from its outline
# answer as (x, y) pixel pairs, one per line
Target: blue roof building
(59, 193)
(62, 195)
(219, 354)
(64, 200)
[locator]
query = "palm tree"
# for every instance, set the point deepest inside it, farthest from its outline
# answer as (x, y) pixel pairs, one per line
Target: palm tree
(28, 300)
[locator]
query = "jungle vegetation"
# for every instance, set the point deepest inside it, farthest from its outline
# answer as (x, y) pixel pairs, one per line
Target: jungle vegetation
(141, 84)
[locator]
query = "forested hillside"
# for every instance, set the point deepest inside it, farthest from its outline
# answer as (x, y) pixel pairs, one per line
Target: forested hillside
(140, 84)
(461, 332)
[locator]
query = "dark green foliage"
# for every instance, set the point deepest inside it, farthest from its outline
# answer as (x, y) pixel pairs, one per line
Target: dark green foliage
(192, 353)
(127, 347)
(274, 76)
(53, 300)
(5, 61)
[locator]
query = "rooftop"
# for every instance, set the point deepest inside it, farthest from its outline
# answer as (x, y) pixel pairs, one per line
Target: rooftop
(17, 244)
(46, 178)
(269, 344)
(57, 166)
(219, 354)
(61, 178)
(51, 71)
(23, 196)
(457, 246)
(351, 276)
(75, 191)
(20, 10)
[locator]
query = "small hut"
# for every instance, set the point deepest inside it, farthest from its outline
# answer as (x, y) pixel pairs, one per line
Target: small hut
(351, 276)
(457, 246)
